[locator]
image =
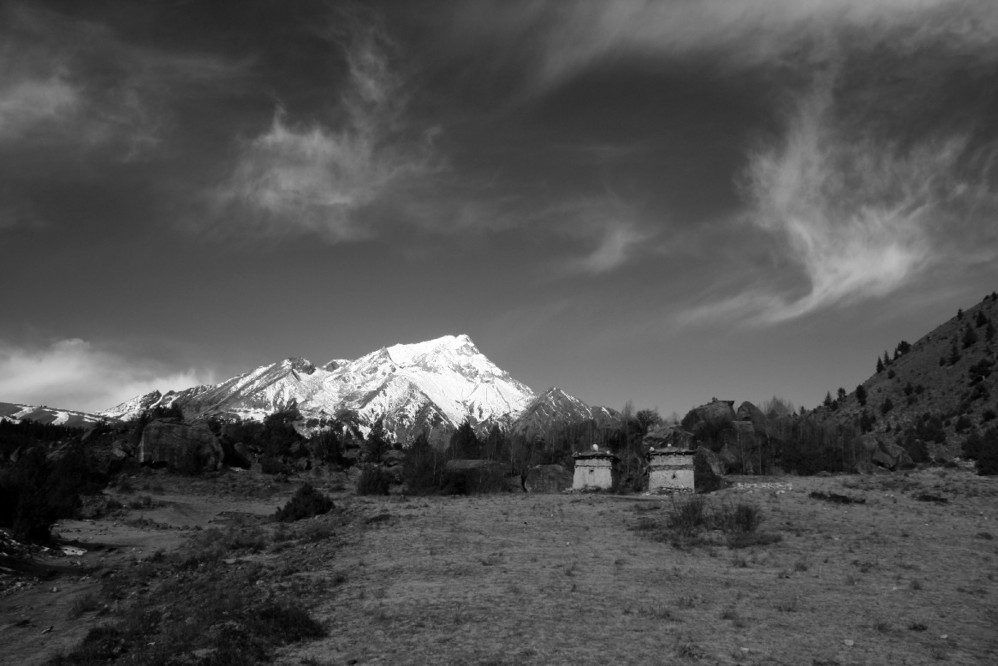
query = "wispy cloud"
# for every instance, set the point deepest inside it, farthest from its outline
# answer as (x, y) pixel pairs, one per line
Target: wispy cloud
(567, 37)
(28, 103)
(318, 177)
(79, 83)
(73, 374)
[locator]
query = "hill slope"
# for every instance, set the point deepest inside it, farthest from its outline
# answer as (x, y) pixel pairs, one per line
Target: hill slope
(947, 376)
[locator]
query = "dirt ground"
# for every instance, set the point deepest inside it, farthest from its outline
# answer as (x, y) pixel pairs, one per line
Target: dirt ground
(905, 577)
(551, 579)
(47, 608)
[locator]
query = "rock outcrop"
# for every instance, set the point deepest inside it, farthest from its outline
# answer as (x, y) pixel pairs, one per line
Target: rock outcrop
(882, 453)
(186, 447)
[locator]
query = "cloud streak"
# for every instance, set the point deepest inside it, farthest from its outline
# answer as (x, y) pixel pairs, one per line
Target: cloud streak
(314, 178)
(73, 374)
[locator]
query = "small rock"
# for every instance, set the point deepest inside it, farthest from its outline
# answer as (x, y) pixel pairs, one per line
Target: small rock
(849, 642)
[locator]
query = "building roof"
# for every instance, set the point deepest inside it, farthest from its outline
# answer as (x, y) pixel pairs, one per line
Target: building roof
(594, 455)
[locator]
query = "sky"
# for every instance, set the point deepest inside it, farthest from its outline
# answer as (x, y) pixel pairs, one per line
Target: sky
(655, 202)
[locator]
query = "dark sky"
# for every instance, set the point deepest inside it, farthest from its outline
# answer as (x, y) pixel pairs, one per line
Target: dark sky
(660, 202)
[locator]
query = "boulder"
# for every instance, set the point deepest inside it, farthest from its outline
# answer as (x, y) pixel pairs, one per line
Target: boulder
(710, 460)
(716, 411)
(882, 453)
(122, 449)
(661, 437)
(186, 447)
(706, 471)
(749, 412)
(547, 479)
(741, 448)
(892, 456)
(242, 455)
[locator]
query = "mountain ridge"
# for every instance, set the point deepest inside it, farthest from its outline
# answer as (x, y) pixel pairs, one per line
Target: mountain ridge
(431, 386)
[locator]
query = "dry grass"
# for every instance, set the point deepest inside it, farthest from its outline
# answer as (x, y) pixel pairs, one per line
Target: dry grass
(559, 579)
(576, 579)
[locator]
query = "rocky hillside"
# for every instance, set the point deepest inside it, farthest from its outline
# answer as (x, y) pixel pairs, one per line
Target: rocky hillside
(944, 383)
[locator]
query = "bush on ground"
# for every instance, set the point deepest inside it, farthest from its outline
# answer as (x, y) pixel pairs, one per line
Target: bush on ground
(689, 519)
(374, 481)
(305, 503)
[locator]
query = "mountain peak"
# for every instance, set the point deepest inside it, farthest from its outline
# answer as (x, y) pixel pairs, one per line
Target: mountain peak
(413, 352)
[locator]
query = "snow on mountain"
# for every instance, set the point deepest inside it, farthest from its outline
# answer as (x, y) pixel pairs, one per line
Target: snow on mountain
(16, 413)
(434, 386)
(430, 387)
(132, 408)
(554, 409)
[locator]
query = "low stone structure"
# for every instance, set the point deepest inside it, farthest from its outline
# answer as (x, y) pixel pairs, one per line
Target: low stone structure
(682, 470)
(671, 470)
(595, 470)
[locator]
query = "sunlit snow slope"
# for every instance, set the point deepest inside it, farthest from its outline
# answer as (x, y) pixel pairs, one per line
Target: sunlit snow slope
(433, 385)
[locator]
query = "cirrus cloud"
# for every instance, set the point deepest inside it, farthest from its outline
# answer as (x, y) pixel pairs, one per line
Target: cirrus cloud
(318, 177)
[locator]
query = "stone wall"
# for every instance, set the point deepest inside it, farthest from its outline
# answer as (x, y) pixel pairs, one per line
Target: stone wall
(671, 472)
(593, 473)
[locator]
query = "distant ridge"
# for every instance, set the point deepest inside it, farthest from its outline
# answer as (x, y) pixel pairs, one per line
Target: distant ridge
(431, 386)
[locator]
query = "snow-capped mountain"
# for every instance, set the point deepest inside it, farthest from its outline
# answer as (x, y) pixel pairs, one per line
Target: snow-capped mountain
(554, 408)
(432, 386)
(16, 413)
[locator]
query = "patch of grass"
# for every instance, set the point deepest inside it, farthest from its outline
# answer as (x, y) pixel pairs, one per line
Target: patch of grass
(928, 497)
(170, 612)
(691, 522)
(84, 604)
(747, 539)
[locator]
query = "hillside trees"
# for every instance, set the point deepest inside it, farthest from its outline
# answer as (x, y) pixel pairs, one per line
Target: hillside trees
(464, 443)
(983, 448)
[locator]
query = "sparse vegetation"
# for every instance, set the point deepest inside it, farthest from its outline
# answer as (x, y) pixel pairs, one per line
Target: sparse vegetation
(305, 503)
(374, 481)
(693, 521)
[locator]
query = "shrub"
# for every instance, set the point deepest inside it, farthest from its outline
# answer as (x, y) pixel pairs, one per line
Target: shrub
(688, 516)
(745, 518)
(374, 481)
(987, 453)
(305, 503)
(963, 423)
